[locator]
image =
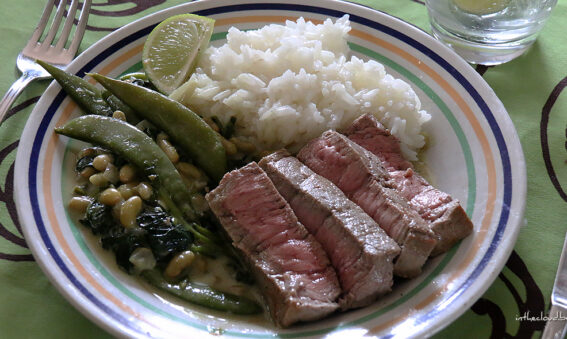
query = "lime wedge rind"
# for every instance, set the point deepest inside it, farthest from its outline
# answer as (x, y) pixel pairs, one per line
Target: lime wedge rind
(173, 48)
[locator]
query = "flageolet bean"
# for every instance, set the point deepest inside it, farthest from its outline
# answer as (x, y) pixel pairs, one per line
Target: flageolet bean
(169, 150)
(127, 190)
(144, 190)
(98, 179)
(87, 172)
(242, 145)
(79, 204)
(179, 263)
(101, 161)
(129, 211)
(188, 169)
(116, 210)
(89, 151)
(127, 173)
(111, 173)
(229, 147)
(119, 115)
(110, 197)
(161, 136)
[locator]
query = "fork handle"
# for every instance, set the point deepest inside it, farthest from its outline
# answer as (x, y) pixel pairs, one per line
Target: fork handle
(14, 91)
(555, 326)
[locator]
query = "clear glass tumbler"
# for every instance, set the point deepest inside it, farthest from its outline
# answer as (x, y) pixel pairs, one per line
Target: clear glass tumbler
(488, 32)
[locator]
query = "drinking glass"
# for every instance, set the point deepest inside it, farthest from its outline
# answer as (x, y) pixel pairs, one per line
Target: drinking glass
(488, 32)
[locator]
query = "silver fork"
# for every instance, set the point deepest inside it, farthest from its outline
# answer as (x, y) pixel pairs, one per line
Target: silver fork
(556, 324)
(47, 50)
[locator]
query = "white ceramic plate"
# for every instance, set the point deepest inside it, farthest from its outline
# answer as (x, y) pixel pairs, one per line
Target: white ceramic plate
(473, 153)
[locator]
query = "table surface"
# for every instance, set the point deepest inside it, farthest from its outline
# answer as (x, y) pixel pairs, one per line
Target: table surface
(530, 87)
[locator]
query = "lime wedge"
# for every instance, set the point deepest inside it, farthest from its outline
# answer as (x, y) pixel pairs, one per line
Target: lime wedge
(481, 7)
(172, 49)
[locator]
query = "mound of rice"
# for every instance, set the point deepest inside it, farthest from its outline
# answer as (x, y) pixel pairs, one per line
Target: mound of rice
(287, 84)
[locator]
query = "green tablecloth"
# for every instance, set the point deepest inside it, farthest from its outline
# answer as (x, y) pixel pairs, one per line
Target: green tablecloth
(530, 87)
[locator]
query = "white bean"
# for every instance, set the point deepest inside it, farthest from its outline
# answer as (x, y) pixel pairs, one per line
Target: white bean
(188, 169)
(79, 204)
(110, 196)
(111, 173)
(127, 173)
(87, 172)
(127, 190)
(119, 115)
(169, 150)
(229, 147)
(101, 161)
(179, 263)
(129, 211)
(243, 146)
(144, 190)
(98, 179)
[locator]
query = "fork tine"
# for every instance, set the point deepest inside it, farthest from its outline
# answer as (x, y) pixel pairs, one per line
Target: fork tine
(68, 25)
(41, 24)
(55, 24)
(81, 26)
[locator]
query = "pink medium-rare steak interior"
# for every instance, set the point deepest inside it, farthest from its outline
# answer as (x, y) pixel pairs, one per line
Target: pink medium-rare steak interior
(291, 268)
(361, 252)
(445, 216)
(360, 175)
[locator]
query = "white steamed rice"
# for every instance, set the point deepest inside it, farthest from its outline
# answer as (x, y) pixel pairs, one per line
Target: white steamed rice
(287, 84)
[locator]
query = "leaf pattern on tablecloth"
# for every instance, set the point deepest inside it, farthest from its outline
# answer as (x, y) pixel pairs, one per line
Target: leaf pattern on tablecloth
(116, 8)
(545, 147)
(533, 305)
(13, 247)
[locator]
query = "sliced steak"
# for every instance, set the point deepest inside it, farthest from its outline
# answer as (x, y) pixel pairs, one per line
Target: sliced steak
(360, 176)
(445, 215)
(361, 252)
(290, 266)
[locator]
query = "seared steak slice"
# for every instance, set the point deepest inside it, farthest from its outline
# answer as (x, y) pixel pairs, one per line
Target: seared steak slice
(290, 266)
(360, 176)
(361, 252)
(445, 215)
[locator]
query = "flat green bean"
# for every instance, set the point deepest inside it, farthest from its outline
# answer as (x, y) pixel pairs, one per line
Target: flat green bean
(185, 127)
(137, 148)
(85, 94)
(204, 296)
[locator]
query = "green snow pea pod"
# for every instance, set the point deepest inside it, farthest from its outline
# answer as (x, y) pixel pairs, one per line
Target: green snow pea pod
(204, 296)
(185, 127)
(85, 94)
(136, 147)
